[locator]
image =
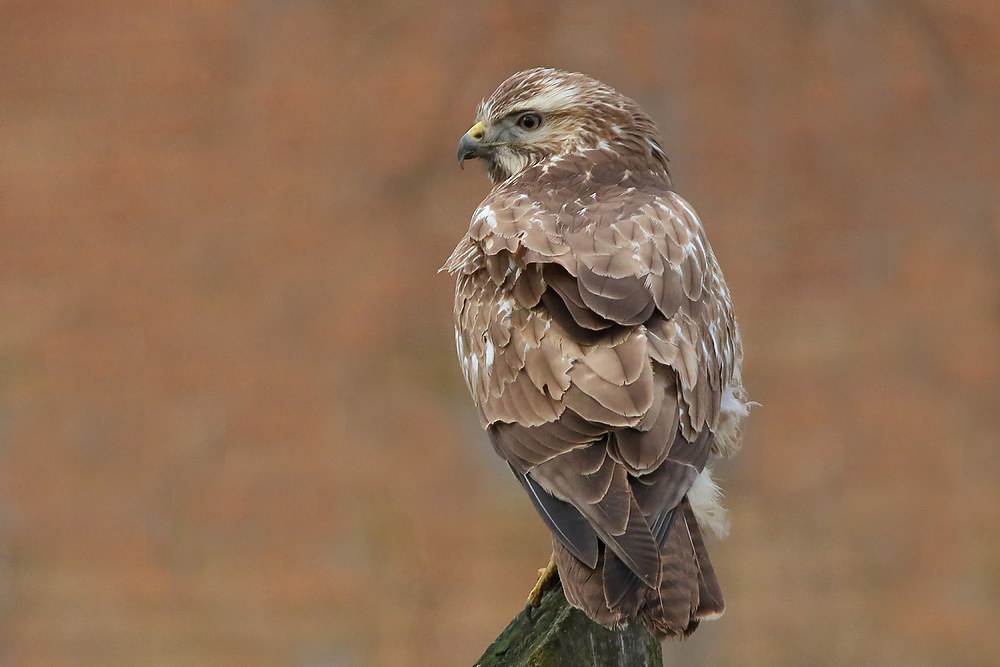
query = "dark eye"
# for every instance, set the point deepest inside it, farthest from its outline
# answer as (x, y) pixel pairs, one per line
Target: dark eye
(529, 121)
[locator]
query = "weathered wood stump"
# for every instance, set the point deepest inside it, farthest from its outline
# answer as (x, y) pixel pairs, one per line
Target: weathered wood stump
(557, 635)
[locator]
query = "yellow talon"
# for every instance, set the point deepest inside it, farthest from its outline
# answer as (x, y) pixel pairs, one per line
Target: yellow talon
(546, 578)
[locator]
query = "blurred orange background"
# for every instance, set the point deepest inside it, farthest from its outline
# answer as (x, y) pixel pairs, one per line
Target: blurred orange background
(232, 426)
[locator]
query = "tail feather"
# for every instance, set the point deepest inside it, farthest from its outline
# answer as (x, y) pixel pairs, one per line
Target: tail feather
(584, 586)
(621, 586)
(670, 610)
(689, 591)
(710, 603)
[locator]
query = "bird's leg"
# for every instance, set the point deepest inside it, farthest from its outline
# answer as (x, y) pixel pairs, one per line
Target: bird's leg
(547, 576)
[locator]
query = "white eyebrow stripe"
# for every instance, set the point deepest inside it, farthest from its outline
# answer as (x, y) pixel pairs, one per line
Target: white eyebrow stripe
(551, 99)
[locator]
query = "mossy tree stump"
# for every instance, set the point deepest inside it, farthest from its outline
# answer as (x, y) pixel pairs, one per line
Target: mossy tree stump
(557, 635)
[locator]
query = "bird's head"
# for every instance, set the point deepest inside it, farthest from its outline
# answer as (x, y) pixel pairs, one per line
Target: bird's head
(542, 113)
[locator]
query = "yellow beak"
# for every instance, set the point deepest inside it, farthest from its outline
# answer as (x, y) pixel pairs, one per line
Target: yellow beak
(471, 145)
(477, 131)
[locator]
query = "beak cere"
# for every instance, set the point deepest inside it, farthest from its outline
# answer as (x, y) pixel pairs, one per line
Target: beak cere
(471, 145)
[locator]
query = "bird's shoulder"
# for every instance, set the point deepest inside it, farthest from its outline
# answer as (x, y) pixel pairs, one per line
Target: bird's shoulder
(585, 208)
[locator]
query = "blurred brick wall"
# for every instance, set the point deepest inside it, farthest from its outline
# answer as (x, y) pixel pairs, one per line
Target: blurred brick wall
(233, 429)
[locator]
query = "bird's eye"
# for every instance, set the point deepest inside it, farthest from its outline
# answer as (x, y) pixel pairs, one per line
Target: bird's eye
(529, 121)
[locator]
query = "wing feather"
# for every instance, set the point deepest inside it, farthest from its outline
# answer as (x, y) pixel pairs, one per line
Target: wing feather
(564, 520)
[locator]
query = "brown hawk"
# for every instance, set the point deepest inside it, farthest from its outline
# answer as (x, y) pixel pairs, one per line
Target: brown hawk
(596, 334)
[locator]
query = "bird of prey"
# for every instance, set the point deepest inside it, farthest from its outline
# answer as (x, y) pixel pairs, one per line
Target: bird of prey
(596, 335)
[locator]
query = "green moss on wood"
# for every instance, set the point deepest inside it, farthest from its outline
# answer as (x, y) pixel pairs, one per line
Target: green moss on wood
(557, 635)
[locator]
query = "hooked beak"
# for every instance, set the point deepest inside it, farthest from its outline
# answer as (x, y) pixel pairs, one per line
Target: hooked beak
(471, 145)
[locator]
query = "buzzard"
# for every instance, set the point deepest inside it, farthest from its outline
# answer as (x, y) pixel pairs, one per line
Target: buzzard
(596, 334)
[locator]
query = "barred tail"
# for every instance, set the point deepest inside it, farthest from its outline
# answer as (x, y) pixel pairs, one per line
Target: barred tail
(613, 596)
